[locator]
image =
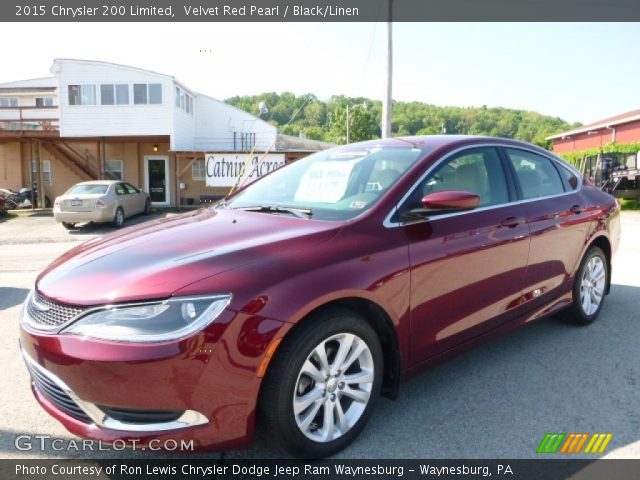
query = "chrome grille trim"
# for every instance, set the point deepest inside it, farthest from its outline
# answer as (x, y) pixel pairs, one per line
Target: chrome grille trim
(60, 395)
(54, 390)
(42, 313)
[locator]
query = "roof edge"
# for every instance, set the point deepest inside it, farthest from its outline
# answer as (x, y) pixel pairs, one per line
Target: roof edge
(595, 126)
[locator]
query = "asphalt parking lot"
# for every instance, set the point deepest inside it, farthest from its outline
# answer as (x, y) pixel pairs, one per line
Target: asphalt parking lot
(496, 401)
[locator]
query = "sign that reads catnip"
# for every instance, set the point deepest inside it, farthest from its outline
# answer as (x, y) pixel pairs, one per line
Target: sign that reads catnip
(229, 169)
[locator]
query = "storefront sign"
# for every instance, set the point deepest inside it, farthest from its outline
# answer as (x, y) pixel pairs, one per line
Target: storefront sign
(229, 169)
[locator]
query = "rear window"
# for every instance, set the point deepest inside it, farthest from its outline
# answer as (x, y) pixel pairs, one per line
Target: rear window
(536, 174)
(88, 188)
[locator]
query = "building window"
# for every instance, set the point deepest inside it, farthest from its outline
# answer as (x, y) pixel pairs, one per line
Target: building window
(9, 102)
(44, 101)
(198, 171)
(46, 171)
(82, 94)
(184, 101)
(155, 93)
(113, 169)
(140, 93)
(150, 93)
(111, 94)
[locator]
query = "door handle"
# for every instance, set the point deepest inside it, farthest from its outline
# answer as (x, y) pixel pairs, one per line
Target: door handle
(577, 209)
(512, 222)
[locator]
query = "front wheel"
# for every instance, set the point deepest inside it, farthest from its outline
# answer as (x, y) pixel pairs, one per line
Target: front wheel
(589, 288)
(323, 384)
(69, 225)
(147, 206)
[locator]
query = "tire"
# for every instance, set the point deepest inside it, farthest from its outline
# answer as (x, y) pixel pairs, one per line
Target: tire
(296, 376)
(118, 218)
(69, 225)
(589, 288)
(147, 207)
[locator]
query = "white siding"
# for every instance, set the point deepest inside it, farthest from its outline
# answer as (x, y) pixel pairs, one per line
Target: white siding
(210, 127)
(183, 124)
(215, 123)
(111, 120)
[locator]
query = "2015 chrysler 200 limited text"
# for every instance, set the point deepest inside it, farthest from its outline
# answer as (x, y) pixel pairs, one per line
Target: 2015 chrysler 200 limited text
(302, 297)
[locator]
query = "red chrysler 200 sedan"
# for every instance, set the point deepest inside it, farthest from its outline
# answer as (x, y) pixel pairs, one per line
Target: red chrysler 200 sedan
(302, 297)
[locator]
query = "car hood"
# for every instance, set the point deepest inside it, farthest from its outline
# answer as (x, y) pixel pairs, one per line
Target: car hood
(155, 259)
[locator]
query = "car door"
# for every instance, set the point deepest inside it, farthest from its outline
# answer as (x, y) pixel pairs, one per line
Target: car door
(122, 199)
(558, 219)
(135, 199)
(467, 268)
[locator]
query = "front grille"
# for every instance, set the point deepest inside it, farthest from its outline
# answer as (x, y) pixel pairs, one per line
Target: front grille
(50, 313)
(56, 395)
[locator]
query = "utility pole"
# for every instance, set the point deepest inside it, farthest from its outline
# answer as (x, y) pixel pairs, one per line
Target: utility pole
(387, 102)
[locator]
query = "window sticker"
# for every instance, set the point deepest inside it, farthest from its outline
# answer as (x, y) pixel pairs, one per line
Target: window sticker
(325, 182)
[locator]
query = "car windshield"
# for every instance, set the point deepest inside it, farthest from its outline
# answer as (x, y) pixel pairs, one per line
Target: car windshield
(336, 184)
(90, 188)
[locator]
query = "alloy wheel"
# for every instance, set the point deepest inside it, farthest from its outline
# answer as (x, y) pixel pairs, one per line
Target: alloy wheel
(333, 387)
(592, 285)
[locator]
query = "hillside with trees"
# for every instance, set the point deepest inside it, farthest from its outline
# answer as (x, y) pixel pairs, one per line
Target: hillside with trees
(310, 117)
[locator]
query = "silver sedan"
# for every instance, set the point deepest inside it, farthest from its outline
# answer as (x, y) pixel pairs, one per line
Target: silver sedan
(100, 201)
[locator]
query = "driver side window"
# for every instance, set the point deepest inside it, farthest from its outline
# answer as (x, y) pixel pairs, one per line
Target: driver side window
(477, 170)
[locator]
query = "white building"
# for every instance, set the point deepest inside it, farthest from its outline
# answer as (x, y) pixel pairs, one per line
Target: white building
(101, 120)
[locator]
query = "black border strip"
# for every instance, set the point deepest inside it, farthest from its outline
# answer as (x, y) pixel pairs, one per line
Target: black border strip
(319, 10)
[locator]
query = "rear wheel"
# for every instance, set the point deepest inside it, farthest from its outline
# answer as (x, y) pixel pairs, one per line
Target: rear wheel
(323, 384)
(147, 206)
(69, 225)
(118, 219)
(589, 288)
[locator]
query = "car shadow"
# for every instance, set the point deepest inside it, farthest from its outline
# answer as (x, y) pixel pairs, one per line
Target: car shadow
(11, 296)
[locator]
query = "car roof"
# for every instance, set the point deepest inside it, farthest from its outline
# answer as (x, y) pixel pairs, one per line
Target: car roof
(100, 182)
(437, 141)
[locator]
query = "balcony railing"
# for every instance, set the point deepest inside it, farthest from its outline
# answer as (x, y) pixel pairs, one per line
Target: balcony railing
(30, 118)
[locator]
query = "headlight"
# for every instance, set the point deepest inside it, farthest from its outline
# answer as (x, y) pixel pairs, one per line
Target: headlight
(151, 322)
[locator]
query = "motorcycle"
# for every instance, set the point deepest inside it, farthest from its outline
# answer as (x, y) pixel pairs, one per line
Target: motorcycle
(22, 199)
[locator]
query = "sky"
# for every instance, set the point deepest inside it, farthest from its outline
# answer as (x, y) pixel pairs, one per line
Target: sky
(577, 71)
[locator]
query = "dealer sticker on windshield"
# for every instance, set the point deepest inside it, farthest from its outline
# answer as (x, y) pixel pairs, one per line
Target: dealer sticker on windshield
(325, 182)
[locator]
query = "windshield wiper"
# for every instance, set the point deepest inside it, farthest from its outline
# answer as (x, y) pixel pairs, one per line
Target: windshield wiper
(297, 212)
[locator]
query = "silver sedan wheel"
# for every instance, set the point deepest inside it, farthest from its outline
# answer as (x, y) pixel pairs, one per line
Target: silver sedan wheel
(333, 387)
(119, 217)
(592, 285)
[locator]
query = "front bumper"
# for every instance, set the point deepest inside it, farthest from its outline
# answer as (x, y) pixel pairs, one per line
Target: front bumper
(209, 379)
(61, 396)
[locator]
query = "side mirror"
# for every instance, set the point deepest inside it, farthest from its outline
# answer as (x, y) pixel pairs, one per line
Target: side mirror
(450, 200)
(446, 201)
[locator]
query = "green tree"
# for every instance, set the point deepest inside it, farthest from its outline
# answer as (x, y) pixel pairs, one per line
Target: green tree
(308, 116)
